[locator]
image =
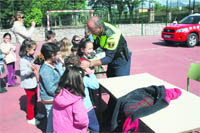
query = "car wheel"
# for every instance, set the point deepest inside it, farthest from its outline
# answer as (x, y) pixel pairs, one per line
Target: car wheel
(192, 40)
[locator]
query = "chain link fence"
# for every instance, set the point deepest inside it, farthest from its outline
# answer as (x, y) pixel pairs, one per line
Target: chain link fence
(149, 11)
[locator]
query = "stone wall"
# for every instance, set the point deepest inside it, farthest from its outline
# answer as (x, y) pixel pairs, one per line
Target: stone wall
(126, 29)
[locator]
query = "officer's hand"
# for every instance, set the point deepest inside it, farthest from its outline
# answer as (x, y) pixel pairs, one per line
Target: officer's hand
(85, 64)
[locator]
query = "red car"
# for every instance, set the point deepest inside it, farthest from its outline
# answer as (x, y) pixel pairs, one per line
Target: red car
(186, 31)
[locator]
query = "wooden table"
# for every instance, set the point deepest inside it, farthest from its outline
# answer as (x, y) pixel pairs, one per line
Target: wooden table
(182, 114)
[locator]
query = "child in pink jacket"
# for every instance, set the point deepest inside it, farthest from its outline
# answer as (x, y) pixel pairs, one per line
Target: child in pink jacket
(69, 112)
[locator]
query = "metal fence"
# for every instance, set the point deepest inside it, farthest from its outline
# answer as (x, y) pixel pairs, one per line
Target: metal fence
(150, 11)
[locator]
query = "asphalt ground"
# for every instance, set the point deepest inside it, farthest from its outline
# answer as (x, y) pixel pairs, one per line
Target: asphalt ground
(149, 55)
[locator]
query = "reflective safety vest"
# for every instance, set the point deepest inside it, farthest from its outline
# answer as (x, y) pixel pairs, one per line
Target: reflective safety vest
(109, 38)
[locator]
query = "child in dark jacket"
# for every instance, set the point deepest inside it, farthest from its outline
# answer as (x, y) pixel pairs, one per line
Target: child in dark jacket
(2, 71)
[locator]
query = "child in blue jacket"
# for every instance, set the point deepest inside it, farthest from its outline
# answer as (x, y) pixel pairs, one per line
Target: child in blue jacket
(90, 82)
(2, 70)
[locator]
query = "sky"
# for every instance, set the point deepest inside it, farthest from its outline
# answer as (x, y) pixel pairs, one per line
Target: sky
(183, 1)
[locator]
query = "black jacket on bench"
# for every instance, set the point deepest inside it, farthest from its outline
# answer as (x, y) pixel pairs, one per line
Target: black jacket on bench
(138, 103)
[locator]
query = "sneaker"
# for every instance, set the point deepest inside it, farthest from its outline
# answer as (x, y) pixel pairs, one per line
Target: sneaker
(13, 85)
(40, 116)
(33, 121)
(3, 90)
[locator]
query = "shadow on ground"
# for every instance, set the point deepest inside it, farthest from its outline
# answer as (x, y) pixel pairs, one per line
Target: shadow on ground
(17, 72)
(162, 43)
(5, 78)
(40, 108)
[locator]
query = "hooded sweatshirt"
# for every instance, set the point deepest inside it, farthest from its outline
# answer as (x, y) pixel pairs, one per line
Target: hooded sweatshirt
(69, 113)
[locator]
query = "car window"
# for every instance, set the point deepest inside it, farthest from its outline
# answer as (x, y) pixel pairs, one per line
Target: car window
(190, 20)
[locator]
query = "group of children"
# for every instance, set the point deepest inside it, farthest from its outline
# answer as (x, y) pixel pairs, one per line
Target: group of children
(63, 84)
(56, 71)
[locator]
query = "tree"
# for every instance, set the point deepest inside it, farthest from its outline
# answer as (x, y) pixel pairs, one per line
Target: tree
(102, 4)
(158, 6)
(35, 9)
(34, 14)
(132, 4)
(6, 13)
(120, 7)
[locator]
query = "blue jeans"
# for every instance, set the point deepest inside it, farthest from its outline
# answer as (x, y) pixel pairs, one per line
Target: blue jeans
(49, 118)
(93, 122)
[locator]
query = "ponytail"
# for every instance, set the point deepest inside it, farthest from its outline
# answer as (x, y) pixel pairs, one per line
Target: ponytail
(22, 50)
(26, 44)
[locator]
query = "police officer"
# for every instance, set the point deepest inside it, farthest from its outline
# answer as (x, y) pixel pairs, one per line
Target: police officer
(110, 39)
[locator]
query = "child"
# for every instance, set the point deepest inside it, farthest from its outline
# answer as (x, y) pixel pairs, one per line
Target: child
(8, 51)
(74, 50)
(65, 48)
(87, 53)
(49, 78)
(50, 36)
(69, 113)
(29, 77)
(88, 35)
(76, 40)
(85, 50)
(91, 82)
(2, 70)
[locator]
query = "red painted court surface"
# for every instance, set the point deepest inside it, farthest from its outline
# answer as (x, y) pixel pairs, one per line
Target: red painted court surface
(149, 55)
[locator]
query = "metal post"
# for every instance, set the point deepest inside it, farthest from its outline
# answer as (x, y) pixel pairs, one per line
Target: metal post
(189, 6)
(142, 19)
(193, 6)
(166, 12)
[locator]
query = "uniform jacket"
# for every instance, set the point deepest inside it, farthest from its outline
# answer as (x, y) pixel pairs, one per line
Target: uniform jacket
(69, 113)
(113, 43)
(20, 31)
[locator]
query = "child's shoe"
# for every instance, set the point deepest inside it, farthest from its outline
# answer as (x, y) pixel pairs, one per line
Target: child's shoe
(33, 121)
(40, 116)
(3, 90)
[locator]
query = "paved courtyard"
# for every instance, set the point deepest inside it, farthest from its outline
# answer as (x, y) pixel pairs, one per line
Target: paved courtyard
(149, 55)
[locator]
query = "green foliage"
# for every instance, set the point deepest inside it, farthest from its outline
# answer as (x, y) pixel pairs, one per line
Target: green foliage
(34, 14)
(158, 6)
(35, 10)
(6, 13)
